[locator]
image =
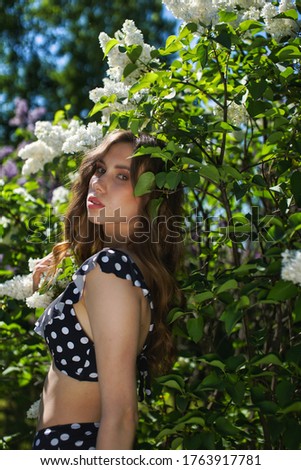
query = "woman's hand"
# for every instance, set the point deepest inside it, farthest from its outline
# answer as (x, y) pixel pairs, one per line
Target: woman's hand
(42, 267)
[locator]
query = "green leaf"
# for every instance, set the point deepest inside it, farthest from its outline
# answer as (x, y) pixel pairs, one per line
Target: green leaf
(195, 327)
(293, 408)
(172, 381)
(129, 68)
(144, 82)
(210, 172)
(296, 186)
(225, 427)
(297, 310)
(110, 44)
(268, 359)
(173, 179)
(292, 13)
(283, 290)
(134, 52)
(230, 284)
(154, 206)
(289, 52)
(188, 29)
(250, 24)
(145, 184)
(203, 296)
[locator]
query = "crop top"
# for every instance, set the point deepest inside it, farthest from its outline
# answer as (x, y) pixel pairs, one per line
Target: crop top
(72, 351)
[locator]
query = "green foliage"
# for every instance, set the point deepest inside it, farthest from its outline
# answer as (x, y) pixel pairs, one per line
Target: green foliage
(236, 383)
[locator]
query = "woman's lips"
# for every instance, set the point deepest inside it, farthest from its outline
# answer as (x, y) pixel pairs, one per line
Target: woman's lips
(95, 203)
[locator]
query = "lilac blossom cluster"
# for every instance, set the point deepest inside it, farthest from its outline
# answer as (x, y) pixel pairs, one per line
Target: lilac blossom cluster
(206, 12)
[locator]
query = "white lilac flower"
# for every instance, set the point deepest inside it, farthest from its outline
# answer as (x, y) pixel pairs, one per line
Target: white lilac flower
(37, 300)
(60, 195)
(4, 221)
(33, 411)
(36, 155)
(237, 114)
(207, 12)
(85, 137)
(32, 263)
(19, 287)
(114, 83)
(24, 193)
(291, 266)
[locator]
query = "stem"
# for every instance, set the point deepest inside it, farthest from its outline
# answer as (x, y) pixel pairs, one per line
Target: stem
(229, 218)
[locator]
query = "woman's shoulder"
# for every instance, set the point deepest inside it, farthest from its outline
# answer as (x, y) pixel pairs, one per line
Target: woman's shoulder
(115, 261)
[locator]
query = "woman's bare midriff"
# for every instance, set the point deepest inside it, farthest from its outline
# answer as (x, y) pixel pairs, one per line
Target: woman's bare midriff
(66, 400)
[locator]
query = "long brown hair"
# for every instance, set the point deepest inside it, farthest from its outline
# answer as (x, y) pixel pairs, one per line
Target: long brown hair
(159, 252)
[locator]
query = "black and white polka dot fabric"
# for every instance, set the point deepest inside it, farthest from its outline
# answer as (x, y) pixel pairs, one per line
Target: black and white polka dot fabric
(72, 351)
(81, 436)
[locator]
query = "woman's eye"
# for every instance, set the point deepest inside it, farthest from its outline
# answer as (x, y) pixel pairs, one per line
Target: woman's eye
(122, 177)
(100, 171)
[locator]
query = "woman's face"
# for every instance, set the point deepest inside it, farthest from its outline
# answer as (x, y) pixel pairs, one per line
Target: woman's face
(110, 200)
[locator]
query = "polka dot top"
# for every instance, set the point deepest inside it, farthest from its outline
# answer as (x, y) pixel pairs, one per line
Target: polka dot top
(72, 351)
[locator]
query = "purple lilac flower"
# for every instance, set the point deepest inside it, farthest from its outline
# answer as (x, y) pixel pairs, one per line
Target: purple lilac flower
(6, 150)
(35, 115)
(21, 111)
(9, 169)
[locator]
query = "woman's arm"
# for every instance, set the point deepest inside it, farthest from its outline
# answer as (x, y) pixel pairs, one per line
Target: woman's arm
(114, 309)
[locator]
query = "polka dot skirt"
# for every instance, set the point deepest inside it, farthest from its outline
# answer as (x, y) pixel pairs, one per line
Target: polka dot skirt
(81, 436)
(72, 351)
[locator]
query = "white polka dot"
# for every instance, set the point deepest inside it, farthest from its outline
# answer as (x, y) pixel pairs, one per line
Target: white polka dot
(128, 277)
(47, 431)
(76, 358)
(93, 375)
(59, 349)
(72, 312)
(124, 258)
(63, 362)
(87, 363)
(105, 259)
(111, 251)
(151, 327)
(145, 292)
(64, 437)
(70, 345)
(78, 327)
(53, 335)
(75, 291)
(49, 311)
(64, 372)
(74, 277)
(65, 330)
(79, 371)
(84, 340)
(79, 443)
(68, 302)
(38, 442)
(151, 304)
(137, 283)
(75, 426)
(117, 266)
(62, 316)
(92, 448)
(85, 267)
(54, 442)
(88, 433)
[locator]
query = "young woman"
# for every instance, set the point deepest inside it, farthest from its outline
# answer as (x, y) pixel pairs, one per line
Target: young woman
(110, 321)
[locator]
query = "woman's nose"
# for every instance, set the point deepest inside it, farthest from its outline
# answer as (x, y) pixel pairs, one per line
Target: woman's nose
(99, 184)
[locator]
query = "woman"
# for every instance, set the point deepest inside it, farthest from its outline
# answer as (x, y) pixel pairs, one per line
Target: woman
(111, 319)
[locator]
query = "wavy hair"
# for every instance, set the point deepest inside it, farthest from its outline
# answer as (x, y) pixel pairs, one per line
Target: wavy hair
(158, 243)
